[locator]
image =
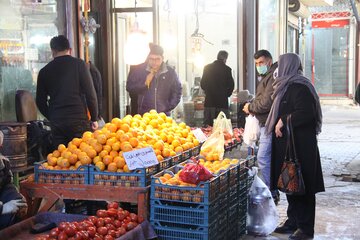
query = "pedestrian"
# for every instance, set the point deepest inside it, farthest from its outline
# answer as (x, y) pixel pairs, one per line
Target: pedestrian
(260, 107)
(295, 95)
(357, 93)
(155, 84)
(218, 85)
(64, 94)
(97, 82)
(11, 201)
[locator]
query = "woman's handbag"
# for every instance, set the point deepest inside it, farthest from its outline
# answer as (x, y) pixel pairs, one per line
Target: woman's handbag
(290, 180)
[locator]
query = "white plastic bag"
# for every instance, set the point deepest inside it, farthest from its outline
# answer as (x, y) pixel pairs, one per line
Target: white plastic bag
(251, 131)
(262, 216)
(222, 123)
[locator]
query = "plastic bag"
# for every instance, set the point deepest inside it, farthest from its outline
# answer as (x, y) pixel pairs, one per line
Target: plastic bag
(251, 131)
(262, 216)
(213, 148)
(194, 173)
(224, 124)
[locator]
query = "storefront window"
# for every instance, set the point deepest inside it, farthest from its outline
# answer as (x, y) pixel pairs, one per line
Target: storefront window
(269, 26)
(26, 28)
(192, 32)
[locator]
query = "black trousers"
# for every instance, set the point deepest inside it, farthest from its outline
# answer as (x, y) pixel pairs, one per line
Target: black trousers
(64, 131)
(211, 113)
(301, 212)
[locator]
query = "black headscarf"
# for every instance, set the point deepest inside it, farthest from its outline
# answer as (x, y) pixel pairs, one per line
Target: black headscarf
(290, 71)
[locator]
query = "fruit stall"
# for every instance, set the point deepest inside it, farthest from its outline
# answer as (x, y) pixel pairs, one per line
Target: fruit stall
(112, 164)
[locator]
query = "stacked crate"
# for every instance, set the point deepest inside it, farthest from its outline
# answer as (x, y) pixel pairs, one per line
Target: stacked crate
(215, 209)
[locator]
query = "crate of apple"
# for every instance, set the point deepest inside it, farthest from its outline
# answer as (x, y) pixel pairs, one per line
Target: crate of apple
(108, 224)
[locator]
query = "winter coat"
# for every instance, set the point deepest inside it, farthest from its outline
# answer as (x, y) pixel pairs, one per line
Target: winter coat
(218, 84)
(97, 81)
(164, 92)
(261, 105)
(299, 102)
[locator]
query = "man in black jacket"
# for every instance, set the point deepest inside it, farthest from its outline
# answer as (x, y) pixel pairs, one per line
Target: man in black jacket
(260, 107)
(218, 84)
(61, 87)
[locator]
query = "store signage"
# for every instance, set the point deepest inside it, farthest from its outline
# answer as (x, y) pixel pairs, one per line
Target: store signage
(140, 158)
(199, 135)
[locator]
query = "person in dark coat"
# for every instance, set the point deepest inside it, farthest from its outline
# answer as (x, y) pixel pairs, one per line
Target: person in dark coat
(357, 94)
(260, 107)
(155, 84)
(295, 95)
(218, 85)
(11, 201)
(64, 94)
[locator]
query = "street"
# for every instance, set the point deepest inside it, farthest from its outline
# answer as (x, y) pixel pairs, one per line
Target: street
(338, 208)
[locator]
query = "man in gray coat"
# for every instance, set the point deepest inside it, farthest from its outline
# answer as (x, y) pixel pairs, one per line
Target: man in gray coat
(260, 107)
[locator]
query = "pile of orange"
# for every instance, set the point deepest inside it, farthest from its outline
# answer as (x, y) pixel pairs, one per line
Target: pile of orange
(104, 148)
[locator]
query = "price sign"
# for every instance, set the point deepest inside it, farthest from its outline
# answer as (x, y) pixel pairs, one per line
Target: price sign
(140, 158)
(199, 135)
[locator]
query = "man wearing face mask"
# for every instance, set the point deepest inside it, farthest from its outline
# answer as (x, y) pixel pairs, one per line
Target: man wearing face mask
(260, 107)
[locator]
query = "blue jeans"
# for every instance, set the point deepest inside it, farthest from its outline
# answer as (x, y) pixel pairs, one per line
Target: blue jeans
(264, 155)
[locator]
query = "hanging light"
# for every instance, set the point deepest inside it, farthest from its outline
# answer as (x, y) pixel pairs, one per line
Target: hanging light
(137, 44)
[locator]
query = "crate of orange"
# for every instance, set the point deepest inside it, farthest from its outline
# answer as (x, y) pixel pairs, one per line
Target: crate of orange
(64, 176)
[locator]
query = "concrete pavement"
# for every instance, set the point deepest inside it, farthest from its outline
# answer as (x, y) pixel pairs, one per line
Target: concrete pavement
(338, 208)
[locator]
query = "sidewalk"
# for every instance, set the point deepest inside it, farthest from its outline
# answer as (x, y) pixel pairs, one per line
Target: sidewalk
(338, 208)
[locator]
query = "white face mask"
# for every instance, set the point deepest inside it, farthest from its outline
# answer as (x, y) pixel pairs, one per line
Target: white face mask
(276, 73)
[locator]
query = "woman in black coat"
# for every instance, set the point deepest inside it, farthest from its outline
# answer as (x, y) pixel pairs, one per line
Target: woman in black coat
(294, 94)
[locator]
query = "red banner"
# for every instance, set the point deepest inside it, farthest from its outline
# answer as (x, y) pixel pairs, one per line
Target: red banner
(330, 23)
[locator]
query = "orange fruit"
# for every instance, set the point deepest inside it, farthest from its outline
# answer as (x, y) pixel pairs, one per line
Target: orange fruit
(84, 159)
(76, 141)
(61, 147)
(126, 147)
(52, 161)
(154, 123)
(120, 161)
(159, 145)
(65, 163)
(167, 176)
(111, 141)
(112, 167)
(87, 135)
(73, 159)
(97, 146)
(116, 121)
(108, 148)
(126, 168)
(160, 158)
(166, 152)
(112, 127)
(96, 159)
(134, 142)
(114, 153)
(107, 159)
(124, 138)
(100, 165)
(116, 146)
(176, 143)
(77, 164)
(125, 127)
(179, 149)
(91, 152)
(103, 153)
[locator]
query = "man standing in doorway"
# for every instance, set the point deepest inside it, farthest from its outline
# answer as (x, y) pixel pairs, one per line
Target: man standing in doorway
(65, 92)
(218, 84)
(260, 107)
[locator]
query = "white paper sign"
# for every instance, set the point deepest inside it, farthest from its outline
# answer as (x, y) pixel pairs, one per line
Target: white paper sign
(199, 135)
(140, 158)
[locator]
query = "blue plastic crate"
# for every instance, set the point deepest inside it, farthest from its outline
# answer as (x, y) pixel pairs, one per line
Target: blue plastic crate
(137, 178)
(204, 192)
(185, 214)
(195, 151)
(177, 233)
(78, 176)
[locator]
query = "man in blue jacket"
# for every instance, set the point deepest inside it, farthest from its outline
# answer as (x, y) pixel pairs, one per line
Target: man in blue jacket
(156, 85)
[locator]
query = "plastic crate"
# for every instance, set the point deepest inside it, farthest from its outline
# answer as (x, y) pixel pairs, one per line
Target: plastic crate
(78, 176)
(177, 233)
(251, 161)
(204, 192)
(137, 178)
(186, 214)
(195, 151)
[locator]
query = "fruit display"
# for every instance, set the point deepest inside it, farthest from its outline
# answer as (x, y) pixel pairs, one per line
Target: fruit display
(108, 224)
(103, 148)
(167, 185)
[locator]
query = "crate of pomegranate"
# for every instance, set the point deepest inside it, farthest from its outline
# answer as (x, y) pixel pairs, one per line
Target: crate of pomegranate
(170, 185)
(44, 174)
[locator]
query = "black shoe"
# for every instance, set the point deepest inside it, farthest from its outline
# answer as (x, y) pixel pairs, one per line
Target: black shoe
(285, 229)
(300, 235)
